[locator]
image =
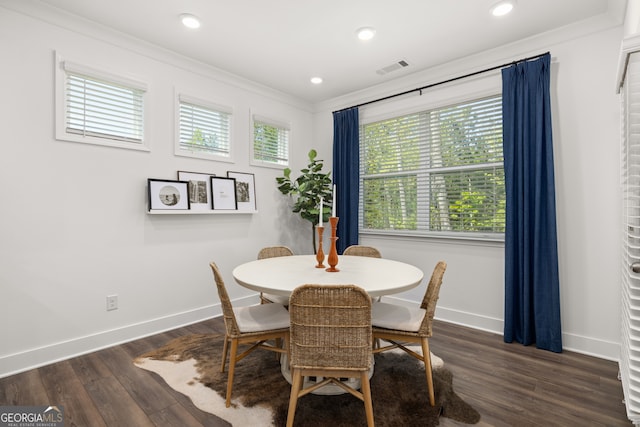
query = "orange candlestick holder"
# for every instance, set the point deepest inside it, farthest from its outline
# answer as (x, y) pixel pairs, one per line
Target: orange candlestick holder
(332, 259)
(320, 253)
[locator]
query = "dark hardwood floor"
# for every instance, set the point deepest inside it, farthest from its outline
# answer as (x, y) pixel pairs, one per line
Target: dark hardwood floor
(509, 384)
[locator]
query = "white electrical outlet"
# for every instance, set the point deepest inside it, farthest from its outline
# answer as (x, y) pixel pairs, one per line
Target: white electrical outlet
(112, 302)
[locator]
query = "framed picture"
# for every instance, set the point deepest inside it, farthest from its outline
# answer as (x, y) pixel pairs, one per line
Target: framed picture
(223, 193)
(199, 189)
(245, 190)
(168, 194)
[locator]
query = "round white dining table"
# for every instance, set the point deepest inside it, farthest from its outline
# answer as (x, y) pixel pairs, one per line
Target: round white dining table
(281, 275)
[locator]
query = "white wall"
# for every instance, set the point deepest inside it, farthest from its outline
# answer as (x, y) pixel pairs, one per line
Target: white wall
(74, 227)
(586, 130)
(631, 17)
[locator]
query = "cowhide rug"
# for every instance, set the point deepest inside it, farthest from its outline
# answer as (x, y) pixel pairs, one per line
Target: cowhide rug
(191, 365)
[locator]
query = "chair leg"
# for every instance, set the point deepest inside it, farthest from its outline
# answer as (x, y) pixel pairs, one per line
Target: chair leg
(426, 355)
(232, 369)
(225, 350)
(279, 345)
(366, 397)
(376, 343)
(296, 383)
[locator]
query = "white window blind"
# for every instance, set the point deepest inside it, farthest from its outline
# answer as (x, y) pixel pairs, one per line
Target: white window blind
(204, 129)
(99, 108)
(270, 142)
(438, 171)
(630, 271)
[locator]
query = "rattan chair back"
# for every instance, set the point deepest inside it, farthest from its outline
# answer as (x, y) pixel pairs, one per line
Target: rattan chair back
(360, 250)
(330, 327)
(430, 299)
(229, 317)
(274, 251)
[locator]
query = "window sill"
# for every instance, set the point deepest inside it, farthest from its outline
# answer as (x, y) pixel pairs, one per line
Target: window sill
(496, 240)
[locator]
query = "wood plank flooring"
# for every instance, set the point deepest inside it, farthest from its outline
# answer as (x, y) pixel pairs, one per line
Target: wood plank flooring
(509, 384)
(514, 385)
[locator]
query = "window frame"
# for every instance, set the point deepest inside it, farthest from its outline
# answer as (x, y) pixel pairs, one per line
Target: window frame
(180, 97)
(277, 123)
(63, 68)
(442, 98)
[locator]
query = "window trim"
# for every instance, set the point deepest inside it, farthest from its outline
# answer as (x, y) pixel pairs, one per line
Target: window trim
(413, 106)
(62, 68)
(278, 123)
(181, 96)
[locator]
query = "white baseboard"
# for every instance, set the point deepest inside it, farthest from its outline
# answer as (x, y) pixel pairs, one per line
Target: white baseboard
(37, 357)
(571, 342)
(34, 358)
(592, 347)
(471, 320)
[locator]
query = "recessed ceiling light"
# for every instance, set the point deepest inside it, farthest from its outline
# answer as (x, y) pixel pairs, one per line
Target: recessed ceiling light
(366, 33)
(502, 7)
(316, 80)
(190, 21)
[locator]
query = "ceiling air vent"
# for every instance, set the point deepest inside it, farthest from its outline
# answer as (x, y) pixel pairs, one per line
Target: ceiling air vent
(393, 67)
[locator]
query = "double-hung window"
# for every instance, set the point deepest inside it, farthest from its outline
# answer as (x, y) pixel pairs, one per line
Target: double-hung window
(270, 142)
(438, 172)
(204, 129)
(99, 108)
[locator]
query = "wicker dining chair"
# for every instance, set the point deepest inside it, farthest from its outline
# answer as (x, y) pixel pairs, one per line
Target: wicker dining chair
(360, 250)
(254, 326)
(398, 325)
(330, 339)
(272, 252)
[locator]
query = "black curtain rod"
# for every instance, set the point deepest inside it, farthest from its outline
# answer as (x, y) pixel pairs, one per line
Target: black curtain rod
(443, 82)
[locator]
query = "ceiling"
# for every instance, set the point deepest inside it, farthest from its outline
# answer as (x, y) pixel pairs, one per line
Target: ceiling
(283, 43)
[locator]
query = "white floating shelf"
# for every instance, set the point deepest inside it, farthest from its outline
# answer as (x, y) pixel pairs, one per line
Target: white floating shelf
(190, 212)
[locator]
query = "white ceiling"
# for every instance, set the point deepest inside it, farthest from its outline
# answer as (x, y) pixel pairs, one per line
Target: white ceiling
(283, 43)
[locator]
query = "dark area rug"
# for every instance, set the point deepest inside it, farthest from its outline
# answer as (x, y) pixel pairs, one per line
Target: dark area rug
(398, 386)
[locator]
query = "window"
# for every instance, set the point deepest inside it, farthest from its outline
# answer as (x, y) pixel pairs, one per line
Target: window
(437, 172)
(270, 142)
(204, 129)
(99, 108)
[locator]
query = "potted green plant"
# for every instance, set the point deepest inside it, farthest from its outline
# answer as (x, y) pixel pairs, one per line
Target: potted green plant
(308, 188)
